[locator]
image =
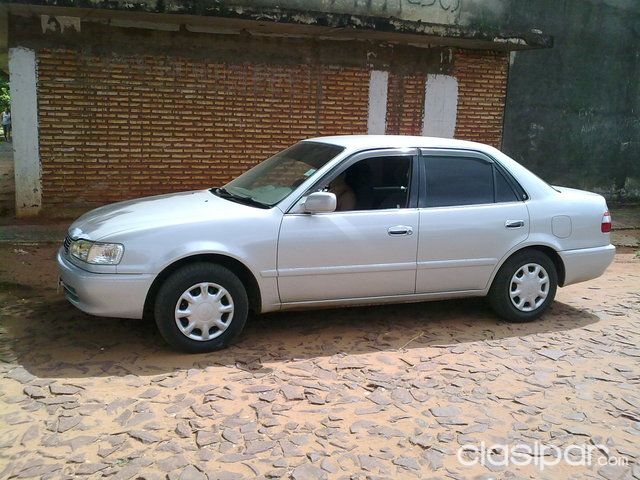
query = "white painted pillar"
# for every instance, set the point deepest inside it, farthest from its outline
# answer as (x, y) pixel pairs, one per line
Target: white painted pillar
(440, 106)
(24, 119)
(377, 120)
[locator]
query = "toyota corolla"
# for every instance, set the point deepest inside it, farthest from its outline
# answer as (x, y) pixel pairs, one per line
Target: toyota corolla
(337, 221)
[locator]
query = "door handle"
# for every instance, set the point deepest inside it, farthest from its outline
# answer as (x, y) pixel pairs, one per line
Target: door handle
(400, 230)
(514, 224)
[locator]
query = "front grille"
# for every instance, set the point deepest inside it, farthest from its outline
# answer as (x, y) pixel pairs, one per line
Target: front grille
(67, 244)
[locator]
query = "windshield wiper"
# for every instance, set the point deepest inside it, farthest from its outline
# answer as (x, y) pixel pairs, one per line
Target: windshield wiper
(224, 193)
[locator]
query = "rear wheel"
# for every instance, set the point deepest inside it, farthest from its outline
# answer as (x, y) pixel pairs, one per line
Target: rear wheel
(524, 287)
(201, 307)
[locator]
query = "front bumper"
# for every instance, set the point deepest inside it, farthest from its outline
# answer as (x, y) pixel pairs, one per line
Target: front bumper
(103, 294)
(586, 263)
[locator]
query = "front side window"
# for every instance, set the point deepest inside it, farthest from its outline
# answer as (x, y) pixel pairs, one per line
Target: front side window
(456, 181)
(271, 181)
(373, 184)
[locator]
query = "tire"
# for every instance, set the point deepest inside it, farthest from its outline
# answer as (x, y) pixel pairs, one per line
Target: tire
(532, 303)
(188, 297)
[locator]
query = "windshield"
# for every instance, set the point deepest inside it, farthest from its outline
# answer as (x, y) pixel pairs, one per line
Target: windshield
(272, 180)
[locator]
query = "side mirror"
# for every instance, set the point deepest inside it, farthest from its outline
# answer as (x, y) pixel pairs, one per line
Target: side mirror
(320, 202)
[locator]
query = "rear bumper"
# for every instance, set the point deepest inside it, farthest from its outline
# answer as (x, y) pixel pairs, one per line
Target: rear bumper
(101, 294)
(586, 263)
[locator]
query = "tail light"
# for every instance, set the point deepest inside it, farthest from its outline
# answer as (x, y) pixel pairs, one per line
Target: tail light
(605, 226)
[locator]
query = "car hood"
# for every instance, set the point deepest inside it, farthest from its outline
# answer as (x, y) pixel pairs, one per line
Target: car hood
(154, 212)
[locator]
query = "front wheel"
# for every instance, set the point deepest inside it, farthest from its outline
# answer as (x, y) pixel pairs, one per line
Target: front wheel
(524, 287)
(201, 307)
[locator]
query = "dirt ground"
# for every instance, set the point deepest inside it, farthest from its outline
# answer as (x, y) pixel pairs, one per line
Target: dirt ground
(376, 392)
(7, 188)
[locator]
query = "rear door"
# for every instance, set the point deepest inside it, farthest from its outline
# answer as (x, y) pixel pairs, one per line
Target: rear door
(471, 214)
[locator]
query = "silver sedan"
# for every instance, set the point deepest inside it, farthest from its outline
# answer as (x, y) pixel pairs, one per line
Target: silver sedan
(337, 221)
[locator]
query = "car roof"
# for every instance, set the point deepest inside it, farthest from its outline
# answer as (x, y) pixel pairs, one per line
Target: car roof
(364, 142)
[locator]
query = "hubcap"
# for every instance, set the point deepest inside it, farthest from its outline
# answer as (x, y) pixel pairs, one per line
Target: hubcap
(529, 287)
(204, 311)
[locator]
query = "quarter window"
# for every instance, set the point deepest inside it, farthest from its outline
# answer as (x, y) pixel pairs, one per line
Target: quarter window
(504, 192)
(453, 181)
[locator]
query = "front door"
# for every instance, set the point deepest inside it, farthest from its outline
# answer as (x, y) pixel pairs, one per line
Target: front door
(367, 247)
(472, 214)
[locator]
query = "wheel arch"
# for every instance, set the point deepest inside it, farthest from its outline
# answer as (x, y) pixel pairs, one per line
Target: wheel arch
(236, 266)
(547, 250)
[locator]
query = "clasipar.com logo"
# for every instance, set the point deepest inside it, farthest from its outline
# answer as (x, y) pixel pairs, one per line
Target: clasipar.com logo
(538, 454)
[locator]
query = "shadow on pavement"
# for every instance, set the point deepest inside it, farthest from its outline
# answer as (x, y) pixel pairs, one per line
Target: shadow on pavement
(51, 339)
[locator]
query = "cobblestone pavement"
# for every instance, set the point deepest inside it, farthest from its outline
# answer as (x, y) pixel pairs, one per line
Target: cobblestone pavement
(377, 392)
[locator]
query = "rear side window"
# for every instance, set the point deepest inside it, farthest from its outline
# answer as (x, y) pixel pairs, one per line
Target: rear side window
(452, 181)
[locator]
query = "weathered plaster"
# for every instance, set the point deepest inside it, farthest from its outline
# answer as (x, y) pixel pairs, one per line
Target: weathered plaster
(440, 106)
(302, 21)
(377, 121)
(59, 24)
(434, 11)
(572, 111)
(166, 27)
(24, 114)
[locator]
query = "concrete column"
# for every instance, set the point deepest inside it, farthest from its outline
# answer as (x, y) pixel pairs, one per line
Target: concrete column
(377, 120)
(440, 106)
(24, 116)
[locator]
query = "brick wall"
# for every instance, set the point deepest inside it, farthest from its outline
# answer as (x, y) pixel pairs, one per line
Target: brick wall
(122, 127)
(482, 90)
(114, 127)
(405, 104)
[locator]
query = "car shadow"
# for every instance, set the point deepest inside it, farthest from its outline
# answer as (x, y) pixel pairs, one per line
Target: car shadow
(51, 339)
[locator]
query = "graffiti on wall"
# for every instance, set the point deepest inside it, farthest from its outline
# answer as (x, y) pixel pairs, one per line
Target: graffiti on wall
(446, 5)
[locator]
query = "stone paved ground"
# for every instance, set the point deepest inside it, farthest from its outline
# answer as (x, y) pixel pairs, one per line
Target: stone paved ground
(379, 392)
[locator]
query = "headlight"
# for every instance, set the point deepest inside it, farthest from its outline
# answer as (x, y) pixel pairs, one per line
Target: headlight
(105, 253)
(97, 253)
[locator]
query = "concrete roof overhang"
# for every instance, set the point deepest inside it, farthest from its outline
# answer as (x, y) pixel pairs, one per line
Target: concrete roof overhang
(210, 16)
